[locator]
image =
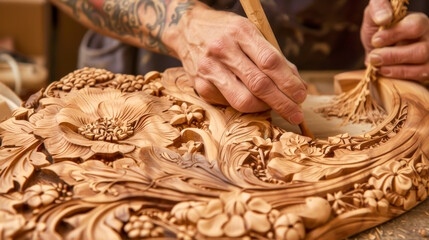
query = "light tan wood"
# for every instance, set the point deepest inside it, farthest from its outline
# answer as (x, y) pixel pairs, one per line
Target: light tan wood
(99, 155)
(255, 13)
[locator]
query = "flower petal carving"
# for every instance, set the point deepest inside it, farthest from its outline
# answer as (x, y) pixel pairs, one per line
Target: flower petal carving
(212, 227)
(188, 211)
(235, 227)
(289, 227)
(307, 211)
(131, 157)
(95, 121)
(257, 222)
(394, 177)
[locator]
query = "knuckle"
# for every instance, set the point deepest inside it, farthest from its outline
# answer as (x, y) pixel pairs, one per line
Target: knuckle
(242, 23)
(400, 72)
(424, 52)
(287, 108)
(238, 26)
(242, 103)
(204, 65)
(421, 19)
(257, 82)
(216, 47)
(268, 59)
(293, 67)
(367, 11)
(203, 89)
(288, 83)
(416, 29)
(392, 57)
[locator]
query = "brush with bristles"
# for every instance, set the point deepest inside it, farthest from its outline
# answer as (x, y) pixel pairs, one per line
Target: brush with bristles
(358, 105)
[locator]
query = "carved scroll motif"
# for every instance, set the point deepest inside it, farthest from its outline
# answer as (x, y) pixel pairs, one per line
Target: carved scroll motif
(102, 155)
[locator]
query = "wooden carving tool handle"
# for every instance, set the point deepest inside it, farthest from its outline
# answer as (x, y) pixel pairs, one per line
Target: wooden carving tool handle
(255, 13)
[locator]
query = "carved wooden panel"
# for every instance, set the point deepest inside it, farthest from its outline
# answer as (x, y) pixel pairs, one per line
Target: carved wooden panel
(104, 156)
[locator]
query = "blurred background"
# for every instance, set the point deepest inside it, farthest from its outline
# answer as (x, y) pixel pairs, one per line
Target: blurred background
(43, 40)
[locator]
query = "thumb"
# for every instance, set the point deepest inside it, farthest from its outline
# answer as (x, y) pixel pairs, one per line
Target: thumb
(377, 13)
(380, 11)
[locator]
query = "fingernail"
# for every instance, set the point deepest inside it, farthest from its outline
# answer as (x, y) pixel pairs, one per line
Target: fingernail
(296, 118)
(386, 72)
(377, 42)
(382, 16)
(375, 59)
(299, 96)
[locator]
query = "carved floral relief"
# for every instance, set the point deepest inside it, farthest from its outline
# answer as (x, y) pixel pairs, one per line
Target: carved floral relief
(101, 155)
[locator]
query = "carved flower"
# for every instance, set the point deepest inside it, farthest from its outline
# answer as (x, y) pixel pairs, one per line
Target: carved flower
(234, 215)
(186, 114)
(392, 176)
(395, 199)
(376, 201)
(422, 167)
(289, 226)
(40, 195)
(338, 204)
(336, 142)
(298, 146)
(95, 121)
(142, 227)
(188, 211)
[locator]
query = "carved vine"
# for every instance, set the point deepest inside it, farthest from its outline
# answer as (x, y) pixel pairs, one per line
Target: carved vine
(103, 155)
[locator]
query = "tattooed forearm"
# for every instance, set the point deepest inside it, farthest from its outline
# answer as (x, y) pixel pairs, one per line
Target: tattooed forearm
(72, 4)
(156, 29)
(145, 20)
(179, 11)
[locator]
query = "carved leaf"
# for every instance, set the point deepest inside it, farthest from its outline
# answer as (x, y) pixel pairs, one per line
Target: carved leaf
(10, 201)
(94, 177)
(18, 163)
(103, 222)
(121, 170)
(16, 133)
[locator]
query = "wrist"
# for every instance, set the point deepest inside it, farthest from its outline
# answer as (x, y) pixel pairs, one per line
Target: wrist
(179, 16)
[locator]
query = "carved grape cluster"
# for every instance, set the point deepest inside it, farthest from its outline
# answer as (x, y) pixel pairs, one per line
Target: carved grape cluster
(131, 83)
(83, 77)
(142, 227)
(128, 83)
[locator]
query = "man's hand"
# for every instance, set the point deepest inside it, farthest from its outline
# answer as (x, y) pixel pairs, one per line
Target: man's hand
(401, 51)
(230, 62)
